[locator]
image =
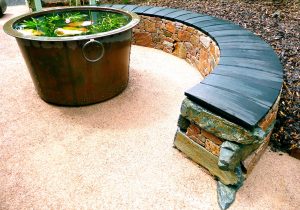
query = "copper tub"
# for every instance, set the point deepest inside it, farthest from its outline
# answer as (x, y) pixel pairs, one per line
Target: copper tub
(77, 70)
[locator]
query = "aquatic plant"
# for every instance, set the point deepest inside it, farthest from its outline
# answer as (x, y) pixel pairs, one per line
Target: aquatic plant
(108, 22)
(72, 23)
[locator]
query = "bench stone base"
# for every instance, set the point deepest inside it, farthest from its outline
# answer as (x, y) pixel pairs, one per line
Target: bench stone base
(199, 154)
(214, 146)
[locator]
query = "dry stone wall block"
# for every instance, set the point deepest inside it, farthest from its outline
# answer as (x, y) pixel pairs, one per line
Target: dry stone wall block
(178, 39)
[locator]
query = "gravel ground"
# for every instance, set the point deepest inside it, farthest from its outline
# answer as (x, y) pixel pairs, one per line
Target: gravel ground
(279, 25)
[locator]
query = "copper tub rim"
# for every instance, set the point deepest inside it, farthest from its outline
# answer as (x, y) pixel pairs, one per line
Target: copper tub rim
(9, 25)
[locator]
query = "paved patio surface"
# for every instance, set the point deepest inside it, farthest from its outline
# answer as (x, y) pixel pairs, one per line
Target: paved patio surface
(117, 154)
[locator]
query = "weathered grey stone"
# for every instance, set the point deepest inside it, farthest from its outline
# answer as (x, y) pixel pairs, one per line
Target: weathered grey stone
(168, 44)
(226, 193)
(231, 154)
(203, 157)
(218, 126)
(253, 158)
(228, 156)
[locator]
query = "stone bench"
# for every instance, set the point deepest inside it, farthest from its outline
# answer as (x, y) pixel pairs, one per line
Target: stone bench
(226, 120)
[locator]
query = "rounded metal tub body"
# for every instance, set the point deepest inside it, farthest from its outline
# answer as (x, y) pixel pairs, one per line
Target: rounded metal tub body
(77, 70)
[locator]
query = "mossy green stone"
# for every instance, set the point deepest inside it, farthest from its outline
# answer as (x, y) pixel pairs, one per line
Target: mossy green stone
(226, 193)
(231, 154)
(203, 157)
(219, 126)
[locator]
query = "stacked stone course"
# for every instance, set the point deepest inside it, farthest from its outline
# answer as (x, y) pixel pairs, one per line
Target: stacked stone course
(228, 151)
(270, 117)
(207, 140)
(211, 135)
(232, 145)
(180, 40)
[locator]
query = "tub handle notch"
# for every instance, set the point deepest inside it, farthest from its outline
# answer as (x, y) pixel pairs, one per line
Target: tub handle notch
(98, 46)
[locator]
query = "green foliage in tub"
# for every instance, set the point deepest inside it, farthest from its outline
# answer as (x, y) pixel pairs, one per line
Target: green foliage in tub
(62, 24)
(74, 17)
(46, 25)
(108, 22)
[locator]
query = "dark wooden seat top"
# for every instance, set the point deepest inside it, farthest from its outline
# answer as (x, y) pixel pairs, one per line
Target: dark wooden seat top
(248, 79)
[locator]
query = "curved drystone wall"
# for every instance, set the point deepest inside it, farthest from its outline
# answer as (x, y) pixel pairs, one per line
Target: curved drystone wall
(226, 120)
(178, 39)
(203, 53)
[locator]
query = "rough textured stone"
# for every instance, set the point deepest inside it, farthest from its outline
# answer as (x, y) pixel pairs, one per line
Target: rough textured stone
(178, 25)
(156, 39)
(150, 26)
(167, 44)
(195, 40)
(212, 50)
(232, 154)
(229, 156)
(212, 64)
(268, 120)
(226, 193)
(212, 147)
(270, 116)
(180, 50)
(204, 55)
(184, 36)
(167, 50)
(169, 39)
(201, 156)
(203, 63)
(186, 44)
(193, 132)
(205, 41)
(171, 27)
(190, 29)
(210, 136)
(202, 67)
(209, 141)
(252, 159)
(167, 33)
(158, 24)
(218, 126)
(143, 39)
